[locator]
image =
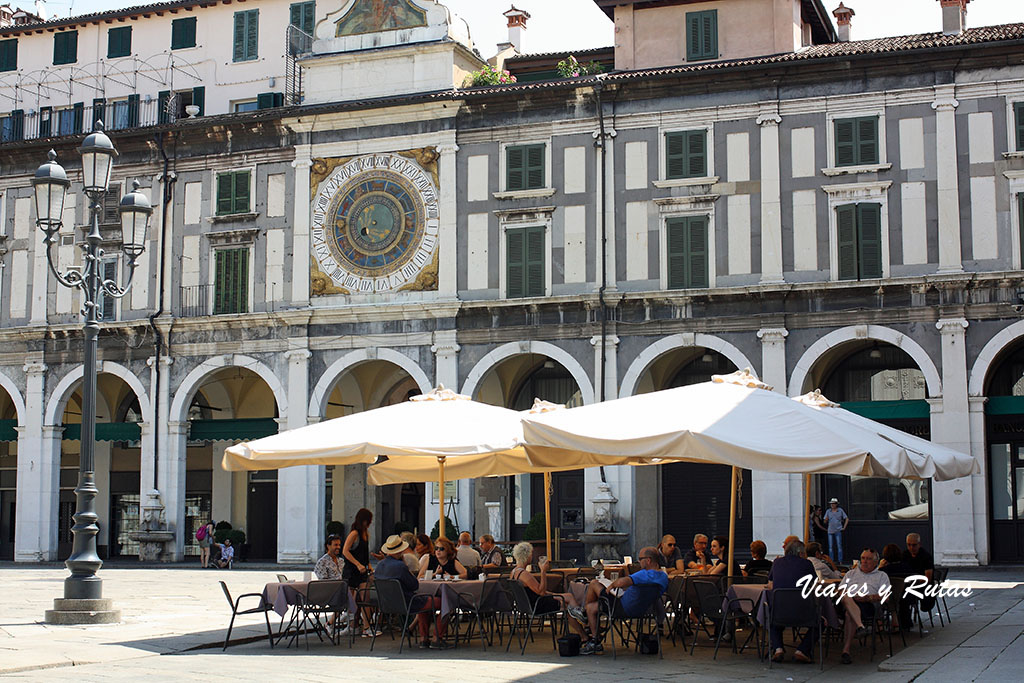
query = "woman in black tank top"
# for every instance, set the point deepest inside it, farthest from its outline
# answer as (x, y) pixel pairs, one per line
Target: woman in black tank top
(357, 558)
(442, 561)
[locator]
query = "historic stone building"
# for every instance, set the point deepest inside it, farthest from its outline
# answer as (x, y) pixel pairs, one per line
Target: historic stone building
(830, 213)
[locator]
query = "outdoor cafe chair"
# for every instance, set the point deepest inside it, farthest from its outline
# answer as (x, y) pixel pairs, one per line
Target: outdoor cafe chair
(788, 608)
(478, 611)
(892, 606)
(691, 601)
(630, 627)
(235, 603)
(324, 598)
(392, 602)
(524, 611)
(281, 578)
(675, 600)
(708, 608)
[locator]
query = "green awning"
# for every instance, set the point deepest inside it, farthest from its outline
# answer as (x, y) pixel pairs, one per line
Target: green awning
(241, 429)
(7, 432)
(106, 431)
(890, 410)
(1004, 405)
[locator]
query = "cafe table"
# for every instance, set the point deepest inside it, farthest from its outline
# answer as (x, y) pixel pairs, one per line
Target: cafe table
(294, 594)
(451, 591)
(758, 595)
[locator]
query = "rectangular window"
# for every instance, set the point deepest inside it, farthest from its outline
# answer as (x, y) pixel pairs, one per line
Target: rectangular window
(269, 100)
(856, 141)
(9, 55)
(1020, 222)
(65, 47)
(69, 121)
(246, 35)
(119, 42)
(524, 256)
(45, 122)
(686, 154)
(251, 105)
(524, 167)
(183, 33)
(702, 35)
(119, 118)
(231, 281)
(232, 193)
(860, 241)
(12, 127)
(687, 241)
(302, 15)
(109, 305)
(1018, 120)
(111, 203)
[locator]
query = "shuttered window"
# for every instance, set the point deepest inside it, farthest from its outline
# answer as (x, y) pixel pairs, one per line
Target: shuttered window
(13, 127)
(231, 281)
(246, 35)
(1018, 120)
(111, 205)
(65, 47)
(686, 154)
(269, 100)
(524, 256)
(859, 238)
(109, 305)
(856, 141)
(9, 55)
(45, 122)
(232, 193)
(183, 33)
(687, 252)
(702, 35)
(119, 42)
(524, 167)
(302, 15)
(133, 111)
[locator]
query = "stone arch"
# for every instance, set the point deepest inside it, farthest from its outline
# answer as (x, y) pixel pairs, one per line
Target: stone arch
(983, 363)
(188, 387)
(679, 341)
(12, 390)
(540, 348)
(322, 390)
(62, 391)
(859, 333)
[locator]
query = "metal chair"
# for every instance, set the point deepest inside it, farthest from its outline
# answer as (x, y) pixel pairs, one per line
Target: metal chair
(630, 626)
(391, 601)
(526, 610)
(478, 610)
(263, 608)
(675, 607)
(788, 608)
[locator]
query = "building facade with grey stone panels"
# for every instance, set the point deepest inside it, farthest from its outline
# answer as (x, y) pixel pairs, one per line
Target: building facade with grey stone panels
(741, 251)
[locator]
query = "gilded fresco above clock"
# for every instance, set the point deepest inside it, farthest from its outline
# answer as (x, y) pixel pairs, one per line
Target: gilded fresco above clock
(373, 16)
(375, 223)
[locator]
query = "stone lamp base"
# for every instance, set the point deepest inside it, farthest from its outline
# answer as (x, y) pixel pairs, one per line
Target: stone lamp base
(69, 612)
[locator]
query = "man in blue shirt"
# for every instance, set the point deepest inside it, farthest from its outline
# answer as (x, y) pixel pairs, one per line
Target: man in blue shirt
(633, 600)
(836, 519)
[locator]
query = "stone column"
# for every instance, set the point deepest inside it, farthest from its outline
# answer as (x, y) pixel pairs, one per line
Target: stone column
(610, 345)
(300, 227)
(777, 499)
(172, 467)
(101, 467)
(946, 181)
(447, 276)
(35, 532)
(952, 501)
(156, 444)
(300, 490)
(446, 371)
(771, 197)
(146, 461)
(979, 481)
(221, 491)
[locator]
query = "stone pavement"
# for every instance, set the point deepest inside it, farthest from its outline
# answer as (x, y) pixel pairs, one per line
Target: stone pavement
(182, 613)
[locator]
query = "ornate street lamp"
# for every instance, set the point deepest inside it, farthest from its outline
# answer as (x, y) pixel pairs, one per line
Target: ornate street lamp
(83, 591)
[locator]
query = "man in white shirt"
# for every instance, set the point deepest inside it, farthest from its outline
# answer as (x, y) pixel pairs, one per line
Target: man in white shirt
(227, 555)
(465, 554)
(866, 587)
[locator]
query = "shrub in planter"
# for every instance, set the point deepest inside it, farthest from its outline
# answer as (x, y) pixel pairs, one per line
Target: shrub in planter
(223, 524)
(488, 75)
(535, 528)
(450, 530)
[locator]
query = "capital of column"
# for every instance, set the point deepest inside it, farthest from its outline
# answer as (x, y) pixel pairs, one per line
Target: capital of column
(177, 428)
(298, 355)
(934, 405)
(771, 335)
(145, 428)
(445, 349)
(282, 422)
(609, 341)
(165, 361)
(976, 404)
(51, 431)
(305, 162)
(769, 118)
(444, 149)
(951, 325)
(945, 98)
(34, 367)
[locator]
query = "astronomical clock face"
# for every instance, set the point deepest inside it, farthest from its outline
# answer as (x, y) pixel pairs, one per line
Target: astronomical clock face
(375, 224)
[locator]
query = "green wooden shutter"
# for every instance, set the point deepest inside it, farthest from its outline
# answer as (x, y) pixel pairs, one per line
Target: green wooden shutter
(239, 44)
(1020, 223)
(697, 251)
(119, 42)
(692, 36)
(133, 111)
(1018, 115)
(696, 154)
(846, 239)
(45, 121)
(183, 33)
(65, 47)
(9, 55)
(224, 193)
(846, 147)
(246, 35)
(109, 307)
(709, 37)
(515, 171)
(515, 263)
(535, 270)
(301, 16)
(78, 114)
(17, 124)
(231, 282)
(162, 115)
(241, 192)
(535, 167)
(867, 140)
(199, 98)
(869, 229)
(265, 100)
(99, 106)
(252, 34)
(675, 235)
(675, 155)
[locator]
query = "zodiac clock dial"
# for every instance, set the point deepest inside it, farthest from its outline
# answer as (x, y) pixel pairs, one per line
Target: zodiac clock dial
(375, 223)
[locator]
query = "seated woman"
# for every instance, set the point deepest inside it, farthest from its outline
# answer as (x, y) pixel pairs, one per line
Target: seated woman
(720, 549)
(442, 561)
(758, 565)
(536, 589)
(423, 546)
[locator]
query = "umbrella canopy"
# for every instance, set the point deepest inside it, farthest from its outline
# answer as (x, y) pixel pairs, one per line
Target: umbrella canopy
(930, 460)
(732, 420)
(438, 424)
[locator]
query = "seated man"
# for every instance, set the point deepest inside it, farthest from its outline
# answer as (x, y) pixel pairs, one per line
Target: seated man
(785, 543)
(669, 556)
(698, 556)
(823, 564)
(873, 583)
(491, 557)
(411, 559)
(227, 555)
(465, 552)
(630, 599)
(920, 560)
(785, 573)
(757, 563)
(393, 567)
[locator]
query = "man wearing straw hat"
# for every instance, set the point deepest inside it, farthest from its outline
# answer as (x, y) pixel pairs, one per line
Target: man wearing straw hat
(393, 567)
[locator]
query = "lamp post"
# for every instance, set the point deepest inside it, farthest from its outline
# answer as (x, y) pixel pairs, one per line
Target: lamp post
(83, 591)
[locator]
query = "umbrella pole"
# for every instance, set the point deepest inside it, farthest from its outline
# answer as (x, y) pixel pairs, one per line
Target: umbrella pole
(807, 508)
(732, 522)
(547, 512)
(440, 497)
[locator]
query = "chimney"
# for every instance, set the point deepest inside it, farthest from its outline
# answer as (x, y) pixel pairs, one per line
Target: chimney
(517, 27)
(954, 16)
(843, 15)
